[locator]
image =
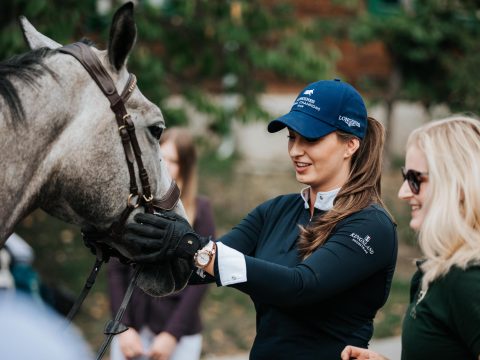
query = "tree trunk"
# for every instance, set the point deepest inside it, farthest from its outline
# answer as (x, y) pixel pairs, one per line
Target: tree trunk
(391, 97)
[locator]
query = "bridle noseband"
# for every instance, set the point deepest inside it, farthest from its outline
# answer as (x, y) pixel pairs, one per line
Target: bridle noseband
(84, 54)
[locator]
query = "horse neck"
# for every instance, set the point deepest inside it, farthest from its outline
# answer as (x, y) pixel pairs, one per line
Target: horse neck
(25, 147)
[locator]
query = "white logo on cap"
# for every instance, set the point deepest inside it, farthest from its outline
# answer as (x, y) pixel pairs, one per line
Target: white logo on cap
(308, 92)
(348, 121)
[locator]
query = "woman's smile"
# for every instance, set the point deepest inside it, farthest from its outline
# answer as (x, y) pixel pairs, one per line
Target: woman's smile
(301, 167)
(415, 209)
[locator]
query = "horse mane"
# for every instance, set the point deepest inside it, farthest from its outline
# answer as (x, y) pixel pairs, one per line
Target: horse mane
(27, 67)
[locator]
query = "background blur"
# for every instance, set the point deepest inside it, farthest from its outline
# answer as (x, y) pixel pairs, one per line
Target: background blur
(224, 67)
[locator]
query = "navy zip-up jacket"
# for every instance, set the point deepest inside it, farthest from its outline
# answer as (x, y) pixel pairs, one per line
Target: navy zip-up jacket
(313, 308)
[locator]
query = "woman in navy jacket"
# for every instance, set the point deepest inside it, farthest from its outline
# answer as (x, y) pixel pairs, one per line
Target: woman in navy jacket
(319, 264)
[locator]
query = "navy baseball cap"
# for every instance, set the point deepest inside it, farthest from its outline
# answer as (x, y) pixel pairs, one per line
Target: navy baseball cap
(324, 107)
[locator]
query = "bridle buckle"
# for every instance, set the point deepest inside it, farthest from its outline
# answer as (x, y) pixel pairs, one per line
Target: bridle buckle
(129, 201)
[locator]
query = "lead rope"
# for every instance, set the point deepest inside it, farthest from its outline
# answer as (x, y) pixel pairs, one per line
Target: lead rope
(115, 327)
(86, 289)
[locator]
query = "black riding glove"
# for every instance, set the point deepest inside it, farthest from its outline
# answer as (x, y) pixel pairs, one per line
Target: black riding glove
(161, 236)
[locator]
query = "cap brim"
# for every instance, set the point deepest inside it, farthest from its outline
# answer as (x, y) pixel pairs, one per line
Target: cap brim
(307, 126)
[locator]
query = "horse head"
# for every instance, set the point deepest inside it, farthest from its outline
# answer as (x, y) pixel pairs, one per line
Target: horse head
(67, 153)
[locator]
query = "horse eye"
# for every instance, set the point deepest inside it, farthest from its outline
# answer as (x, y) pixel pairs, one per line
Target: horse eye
(156, 131)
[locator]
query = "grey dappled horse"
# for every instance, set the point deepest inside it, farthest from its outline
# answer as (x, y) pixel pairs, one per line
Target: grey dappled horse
(59, 144)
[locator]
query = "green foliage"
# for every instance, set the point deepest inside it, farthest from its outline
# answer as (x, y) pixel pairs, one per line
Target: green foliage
(221, 334)
(192, 48)
(434, 46)
(222, 47)
(388, 321)
(60, 20)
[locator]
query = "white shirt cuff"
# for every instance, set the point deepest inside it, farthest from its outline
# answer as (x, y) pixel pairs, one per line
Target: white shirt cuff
(232, 267)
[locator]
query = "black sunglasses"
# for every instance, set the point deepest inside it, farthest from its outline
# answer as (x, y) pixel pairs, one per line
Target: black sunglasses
(414, 179)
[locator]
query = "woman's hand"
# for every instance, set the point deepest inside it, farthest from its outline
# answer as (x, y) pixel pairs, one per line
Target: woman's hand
(352, 352)
(130, 344)
(163, 346)
(153, 238)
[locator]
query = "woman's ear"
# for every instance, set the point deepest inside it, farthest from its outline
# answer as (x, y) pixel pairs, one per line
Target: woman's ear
(352, 146)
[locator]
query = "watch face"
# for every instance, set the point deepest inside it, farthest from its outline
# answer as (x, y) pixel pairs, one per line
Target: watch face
(203, 258)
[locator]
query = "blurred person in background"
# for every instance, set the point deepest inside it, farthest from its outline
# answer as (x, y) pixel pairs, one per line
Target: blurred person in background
(30, 331)
(20, 266)
(317, 264)
(29, 328)
(442, 186)
(17, 269)
(168, 327)
(7, 282)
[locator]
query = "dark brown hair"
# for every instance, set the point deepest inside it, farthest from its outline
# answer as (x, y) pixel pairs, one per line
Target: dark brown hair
(362, 188)
(187, 164)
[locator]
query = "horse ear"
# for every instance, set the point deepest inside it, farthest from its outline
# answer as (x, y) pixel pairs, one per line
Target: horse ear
(35, 39)
(123, 33)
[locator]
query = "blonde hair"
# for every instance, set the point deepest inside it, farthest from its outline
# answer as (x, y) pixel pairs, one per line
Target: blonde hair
(187, 164)
(362, 188)
(450, 233)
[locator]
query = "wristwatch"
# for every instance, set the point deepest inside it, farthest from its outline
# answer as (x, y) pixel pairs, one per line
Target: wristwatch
(204, 256)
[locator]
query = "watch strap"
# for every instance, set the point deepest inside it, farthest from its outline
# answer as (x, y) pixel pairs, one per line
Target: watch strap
(189, 244)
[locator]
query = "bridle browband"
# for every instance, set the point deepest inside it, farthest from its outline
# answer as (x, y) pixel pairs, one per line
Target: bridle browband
(85, 55)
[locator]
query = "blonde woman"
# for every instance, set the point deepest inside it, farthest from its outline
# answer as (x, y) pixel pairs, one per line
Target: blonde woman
(170, 327)
(442, 187)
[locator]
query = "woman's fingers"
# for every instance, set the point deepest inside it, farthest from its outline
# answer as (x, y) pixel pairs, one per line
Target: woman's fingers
(145, 230)
(352, 352)
(154, 220)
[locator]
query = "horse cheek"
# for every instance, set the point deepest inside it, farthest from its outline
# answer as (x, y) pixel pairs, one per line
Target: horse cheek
(97, 182)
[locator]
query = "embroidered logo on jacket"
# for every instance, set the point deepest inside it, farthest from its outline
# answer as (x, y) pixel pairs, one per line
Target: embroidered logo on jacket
(362, 242)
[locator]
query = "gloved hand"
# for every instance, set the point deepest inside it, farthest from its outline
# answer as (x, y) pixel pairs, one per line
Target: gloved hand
(156, 237)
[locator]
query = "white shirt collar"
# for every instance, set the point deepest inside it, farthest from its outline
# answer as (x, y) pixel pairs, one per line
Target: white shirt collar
(324, 200)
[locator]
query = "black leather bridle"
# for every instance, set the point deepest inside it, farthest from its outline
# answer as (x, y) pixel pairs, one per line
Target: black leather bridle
(85, 55)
